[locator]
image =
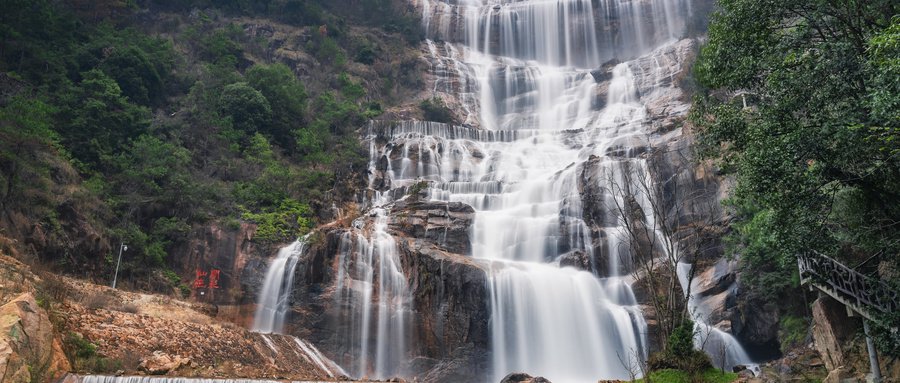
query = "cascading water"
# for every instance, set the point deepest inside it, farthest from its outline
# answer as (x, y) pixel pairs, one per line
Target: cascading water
(375, 302)
(522, 78)
(273, 305)
(273, 302)
(722, 347)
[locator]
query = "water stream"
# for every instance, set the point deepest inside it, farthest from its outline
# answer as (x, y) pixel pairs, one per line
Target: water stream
(273, 303)
(723, 348)
(533, 120)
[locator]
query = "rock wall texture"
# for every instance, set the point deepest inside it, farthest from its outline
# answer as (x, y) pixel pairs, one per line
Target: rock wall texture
(840, 342)
(449, 327)
(29, 348)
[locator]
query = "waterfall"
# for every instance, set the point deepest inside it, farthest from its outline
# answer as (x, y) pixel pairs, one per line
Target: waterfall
(521, 72)
(274, 299)
(548, 106)
(582, 33)
(374, 302)
(722, 347)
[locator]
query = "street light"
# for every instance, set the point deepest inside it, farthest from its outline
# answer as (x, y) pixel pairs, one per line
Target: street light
(122, 248)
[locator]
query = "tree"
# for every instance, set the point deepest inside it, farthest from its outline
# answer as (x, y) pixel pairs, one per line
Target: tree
(98, 119)
(665, 223)
(811, 137)
(285, 95)
(25, 132)
(248, 108)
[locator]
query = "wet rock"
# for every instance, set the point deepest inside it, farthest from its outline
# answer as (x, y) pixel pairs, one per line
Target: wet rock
(604, 72)
(718, 278)
(449, 293)
(758, 324)
(444, 224)
(521, 377)
(577, 259)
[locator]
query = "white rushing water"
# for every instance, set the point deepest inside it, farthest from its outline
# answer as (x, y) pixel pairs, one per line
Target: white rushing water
(534, 122)
(273, 303)
(520, 71)
(374, 302)
(723, 348)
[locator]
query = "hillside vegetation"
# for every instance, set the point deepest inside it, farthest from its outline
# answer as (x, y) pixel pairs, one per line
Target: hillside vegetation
(138, 122)
(802, 106)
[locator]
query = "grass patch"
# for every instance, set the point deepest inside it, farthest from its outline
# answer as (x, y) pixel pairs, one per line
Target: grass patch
(677, 376)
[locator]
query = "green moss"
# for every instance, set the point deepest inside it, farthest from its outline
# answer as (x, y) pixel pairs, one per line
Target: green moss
(792, 331)
(435, 110)
(678, 376)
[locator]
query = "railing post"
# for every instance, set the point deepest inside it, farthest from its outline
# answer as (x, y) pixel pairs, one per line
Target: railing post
(873, 356)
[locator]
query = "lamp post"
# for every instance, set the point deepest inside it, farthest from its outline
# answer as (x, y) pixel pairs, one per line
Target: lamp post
(122, 247)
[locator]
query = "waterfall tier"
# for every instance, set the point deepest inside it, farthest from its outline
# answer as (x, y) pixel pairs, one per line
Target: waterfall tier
(500, 244)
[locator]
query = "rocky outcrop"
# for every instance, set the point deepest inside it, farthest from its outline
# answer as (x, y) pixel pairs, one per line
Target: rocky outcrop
(658, 78)
(448, 329)
(451, 305)
(577, 259)
(714, 290)
(521, 377)
(159, 363)
(832, 329)
(445, 225)
(241, 265)
(29, 349)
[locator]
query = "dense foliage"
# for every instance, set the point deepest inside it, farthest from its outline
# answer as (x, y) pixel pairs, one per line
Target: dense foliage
(804, 111)
(143, 127)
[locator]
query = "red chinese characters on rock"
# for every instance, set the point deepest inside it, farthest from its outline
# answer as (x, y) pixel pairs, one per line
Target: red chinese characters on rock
(200, 283)
(214, 279)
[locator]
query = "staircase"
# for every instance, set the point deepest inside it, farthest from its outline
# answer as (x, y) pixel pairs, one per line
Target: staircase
(861, 294)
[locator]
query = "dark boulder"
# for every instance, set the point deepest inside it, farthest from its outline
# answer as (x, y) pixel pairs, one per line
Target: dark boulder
(604, 72)
(521, 377)
(577, 259)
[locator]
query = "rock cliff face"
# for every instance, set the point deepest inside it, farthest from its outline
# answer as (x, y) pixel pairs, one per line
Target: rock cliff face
(448, 328)
(840, 343)
(437, 291)
(29, 348)
(241, 264)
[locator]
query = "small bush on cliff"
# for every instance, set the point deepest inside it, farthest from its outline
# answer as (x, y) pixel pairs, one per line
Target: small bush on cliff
(680, 354)
(286, 223)
(83, 355)
(435, 110)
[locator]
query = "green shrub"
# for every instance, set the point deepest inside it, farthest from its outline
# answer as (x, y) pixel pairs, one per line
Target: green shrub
(290, 220)
(84, 357)
(79, 347)
(435, 110)
(248, 108)
(679, 353)
(792, 331)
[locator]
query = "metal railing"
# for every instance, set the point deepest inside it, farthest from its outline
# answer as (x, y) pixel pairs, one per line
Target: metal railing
(862, 293)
